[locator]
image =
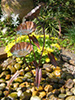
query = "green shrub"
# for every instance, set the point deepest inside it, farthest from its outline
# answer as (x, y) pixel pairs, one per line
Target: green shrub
(71, 34)
(56, 11)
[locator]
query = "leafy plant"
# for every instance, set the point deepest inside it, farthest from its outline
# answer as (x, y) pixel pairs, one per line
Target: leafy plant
(7, 28)
(57, 15)
(71, 34)
(0, 6)
(68, 41)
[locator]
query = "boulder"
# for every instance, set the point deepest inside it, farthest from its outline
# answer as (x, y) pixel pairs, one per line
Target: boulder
(21, 7)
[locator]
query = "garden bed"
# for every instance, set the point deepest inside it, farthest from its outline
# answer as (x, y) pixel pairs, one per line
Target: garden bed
(38, 65)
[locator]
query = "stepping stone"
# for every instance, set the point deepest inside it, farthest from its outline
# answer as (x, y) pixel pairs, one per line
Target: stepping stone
(2, 53)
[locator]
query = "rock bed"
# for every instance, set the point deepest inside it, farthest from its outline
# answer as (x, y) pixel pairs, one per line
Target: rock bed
(56, 84)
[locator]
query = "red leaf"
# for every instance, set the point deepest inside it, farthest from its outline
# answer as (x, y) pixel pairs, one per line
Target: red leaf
(35, 41)
(52, 59)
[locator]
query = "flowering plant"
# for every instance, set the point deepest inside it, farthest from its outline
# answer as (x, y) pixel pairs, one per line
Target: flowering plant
(15, 20)
(51, 45)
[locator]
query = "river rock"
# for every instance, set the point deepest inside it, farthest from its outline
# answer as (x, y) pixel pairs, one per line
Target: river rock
(6, 92)
(69, 83)
(73, 90)
(0, 93)
(25, 96)
(39, 89)
(42, 94)
(2, 86)
(28, 75)
(74, 81)
(70, 98)
(47, 67)
(68, 93)
(68, 67)
(7, 76)
(17, 66)
(52, 97)
(68, 56)
(12, 69)
(34, 93)
(62, 90)
(19, 93)
(34, 72)
(27, 69)
(2, 80)
(15, 85)
(13, 95)
(22, 85)
(3, 74)
(49, 94)
(35, 98)
(8, 62)
(48, 88)
(69, 76)
(21, 7)
(18, 80)
(62, 95)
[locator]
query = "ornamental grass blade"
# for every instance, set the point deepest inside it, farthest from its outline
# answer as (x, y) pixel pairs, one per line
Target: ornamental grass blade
(38, 77)
(14, 77)
(59, 28)
(52, 59)
(35, 41)
(21, 49)
(26, 28)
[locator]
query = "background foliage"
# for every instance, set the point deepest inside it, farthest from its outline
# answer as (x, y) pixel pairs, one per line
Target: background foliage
(50, 15)
(57, 10)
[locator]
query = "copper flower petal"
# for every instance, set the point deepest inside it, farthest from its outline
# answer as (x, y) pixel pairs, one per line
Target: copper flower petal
(21, 49)
(26, 28)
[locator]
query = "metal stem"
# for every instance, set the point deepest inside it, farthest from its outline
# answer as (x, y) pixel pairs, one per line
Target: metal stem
(43, 41)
